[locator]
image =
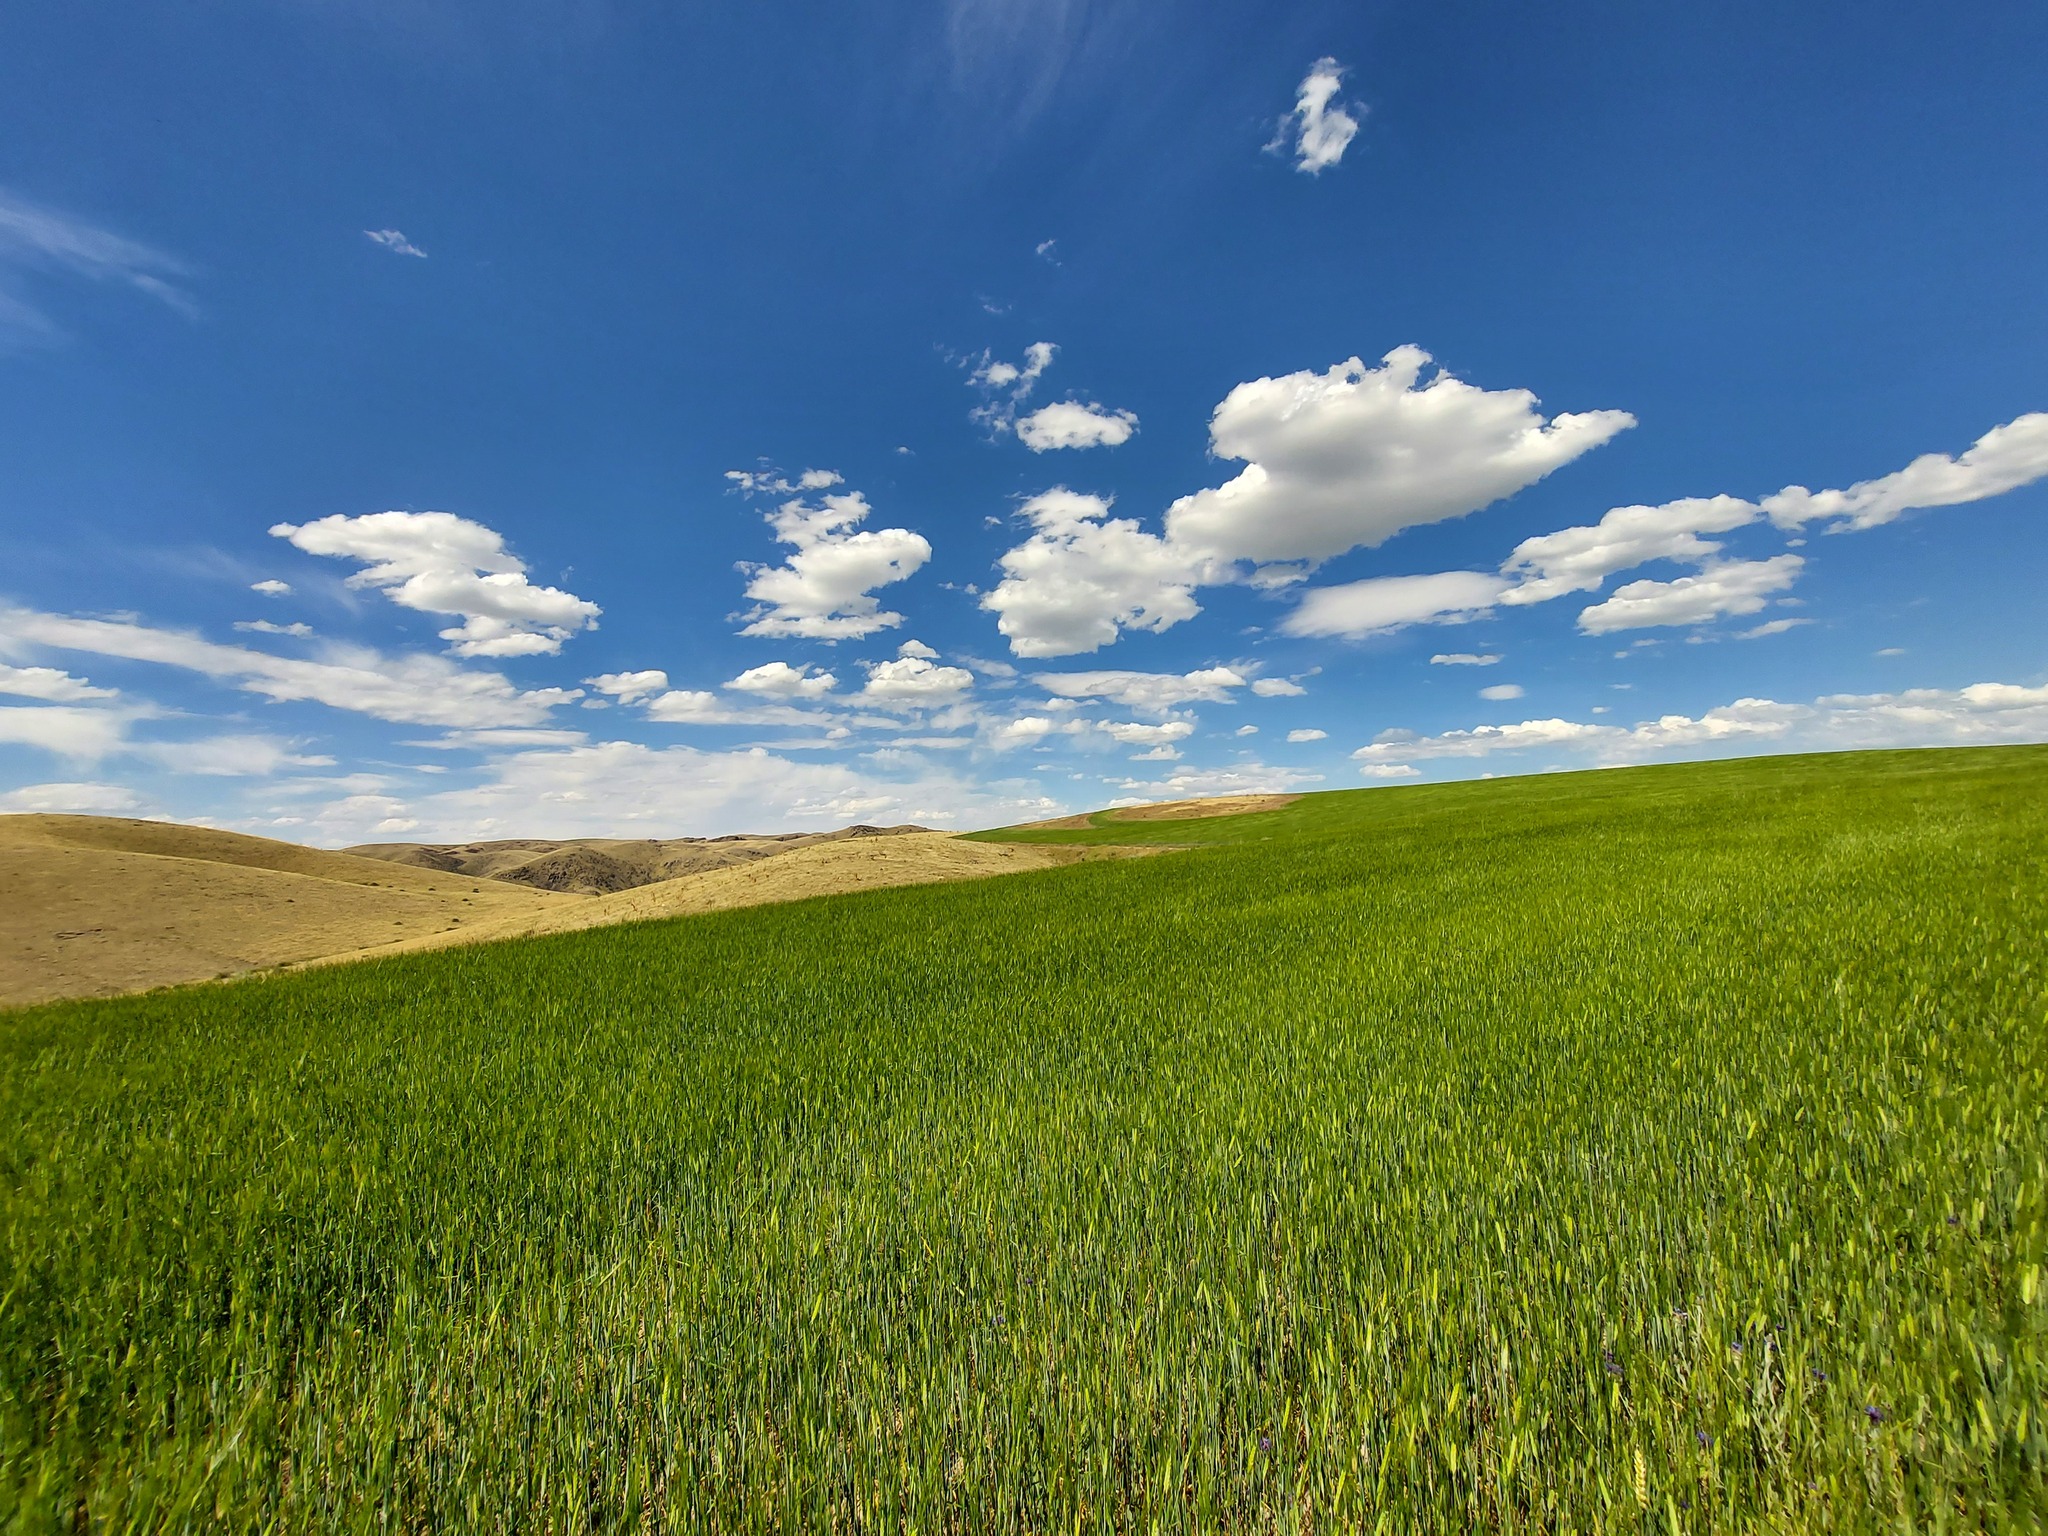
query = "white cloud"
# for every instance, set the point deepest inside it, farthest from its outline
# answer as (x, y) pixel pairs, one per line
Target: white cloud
(2003, 459)
(394, 241)
(64, 729)
(918, 649)
(916, 682)
(1206, 783)
(1023, 731)
(1317, 131)
(1148, 692)
(1297, 737)
(1727, 587)
(779, 680)
(1277, 688)
(1480, 741)
(824, 590)
(1383, 603)
(1462, 659)
(1246, 730)
(697, 706)
(436, 562)
(767, 480)
(624, 788)
(1132, 733)
(1072, 424)
(1351, 457)
(1157, 755)
(265, 627)
(37, 238)
(1045, 249)
(629, 687)
(1981, 714)
(271, 588)
(236, 756)
(49, 685)
(1083, 576)
(1500, 692)
(1773, 627)
(1580, 559)
(1388, 771)
(70, 800)
(415, 690)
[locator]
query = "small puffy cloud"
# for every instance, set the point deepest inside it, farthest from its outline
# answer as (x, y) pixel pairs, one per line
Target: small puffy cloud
(1082, 577)
(272, 588)
(1297, 737)
(1383, 603)
(767, 480)
(1500, 692)
(1149, 692)
(436, 562)
(1044, 250)
(779, 680)
(918, 649)
(916, 682)
(1580, 559)
(1277, 688)
(629, 687)
(1157, 755)
(1133, 733)
(413, 690)
(394, 241)
(1388, 771)
(70, 800)
(1728, 587)
(1317, 131)
(1351, 457)
(49, 685)
(824, 591)
(1246, 730)
(1024, 731)
(2003, 459)
(1462, 659)
(1072, 424)
(1004, 387)
(266, 627)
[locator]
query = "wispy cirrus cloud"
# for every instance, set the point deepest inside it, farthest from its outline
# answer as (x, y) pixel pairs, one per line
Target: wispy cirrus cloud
(42, 241)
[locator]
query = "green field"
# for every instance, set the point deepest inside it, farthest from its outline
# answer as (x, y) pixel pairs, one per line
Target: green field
(1655, 1149)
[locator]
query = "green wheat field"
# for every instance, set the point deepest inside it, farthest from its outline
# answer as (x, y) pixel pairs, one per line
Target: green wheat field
(1658, 1149)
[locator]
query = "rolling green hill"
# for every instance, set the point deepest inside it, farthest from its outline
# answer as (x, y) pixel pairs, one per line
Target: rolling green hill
(1652, 1149)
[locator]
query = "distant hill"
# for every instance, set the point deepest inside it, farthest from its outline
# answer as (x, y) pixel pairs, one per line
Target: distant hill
(599, 866)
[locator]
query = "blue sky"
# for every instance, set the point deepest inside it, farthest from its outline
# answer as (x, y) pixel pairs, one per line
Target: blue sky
(437, 420)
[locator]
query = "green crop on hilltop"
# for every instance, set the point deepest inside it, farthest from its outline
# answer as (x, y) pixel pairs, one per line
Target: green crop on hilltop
(1652, 1150)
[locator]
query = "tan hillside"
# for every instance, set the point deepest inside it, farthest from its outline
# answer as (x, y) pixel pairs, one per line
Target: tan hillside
(597, 866)
(97, 905)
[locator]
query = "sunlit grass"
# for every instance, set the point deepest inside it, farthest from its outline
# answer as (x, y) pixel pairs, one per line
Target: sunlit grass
(1663, 1149)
